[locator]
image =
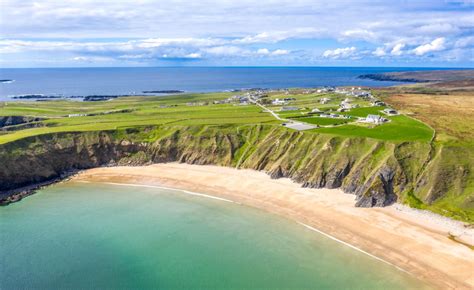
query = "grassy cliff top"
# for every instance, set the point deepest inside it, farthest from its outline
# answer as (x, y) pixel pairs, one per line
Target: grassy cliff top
(430, 142)
(208, 109)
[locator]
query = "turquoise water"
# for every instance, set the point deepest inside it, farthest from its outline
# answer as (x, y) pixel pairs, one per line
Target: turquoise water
(83, 236)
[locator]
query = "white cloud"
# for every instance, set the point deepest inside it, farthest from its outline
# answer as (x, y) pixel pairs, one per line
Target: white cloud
(189, 41)
(397, 49)
(280, 52)
(464, 42)
(363, 34)
(92, 59)
(144, 30)
(437, 28)
(379, 51)
(340, 52)
(277, 36)
(266, 51)
(263, 51)
(226, 51)
(193, 55)
(435, 45)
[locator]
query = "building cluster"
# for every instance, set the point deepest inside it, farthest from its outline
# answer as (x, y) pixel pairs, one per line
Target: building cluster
(283, 101)
(374, 119)
(333, 116)
(354, 92)
(289, 108)
(197, 104)
(326, 90)
(236, 99)
(346, 105)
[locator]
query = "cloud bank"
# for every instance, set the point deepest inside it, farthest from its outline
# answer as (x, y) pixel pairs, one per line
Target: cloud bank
(267, 32)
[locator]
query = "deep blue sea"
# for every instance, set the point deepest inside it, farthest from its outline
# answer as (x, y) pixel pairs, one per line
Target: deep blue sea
(119, 81)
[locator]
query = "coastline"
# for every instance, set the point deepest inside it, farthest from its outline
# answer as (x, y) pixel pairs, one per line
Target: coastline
(417, 242)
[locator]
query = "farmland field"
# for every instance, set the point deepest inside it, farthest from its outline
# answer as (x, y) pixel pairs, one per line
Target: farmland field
(199, 109)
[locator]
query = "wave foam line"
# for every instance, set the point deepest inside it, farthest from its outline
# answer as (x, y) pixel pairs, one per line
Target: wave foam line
(352, 247)
(164, 187)
(228, 200)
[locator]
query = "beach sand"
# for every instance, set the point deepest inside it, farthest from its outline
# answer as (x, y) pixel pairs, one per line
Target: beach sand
(417, 242)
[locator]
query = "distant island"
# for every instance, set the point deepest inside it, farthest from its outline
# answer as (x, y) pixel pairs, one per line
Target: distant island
(35, 96)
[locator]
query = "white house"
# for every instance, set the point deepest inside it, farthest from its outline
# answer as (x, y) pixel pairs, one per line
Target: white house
(375, 119)
(346, 106)
(324, 100)
(279, 102)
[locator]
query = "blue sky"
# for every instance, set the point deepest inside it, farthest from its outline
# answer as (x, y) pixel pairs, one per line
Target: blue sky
(86, 33)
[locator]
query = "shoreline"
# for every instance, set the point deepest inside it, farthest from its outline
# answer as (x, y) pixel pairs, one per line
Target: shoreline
(231, 201)
(414, 241)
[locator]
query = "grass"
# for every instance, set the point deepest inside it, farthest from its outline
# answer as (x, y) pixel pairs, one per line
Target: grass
(323, 121)
(453, 122)
(401, 128)
(450, 114)
(364, 111)
(176, 110)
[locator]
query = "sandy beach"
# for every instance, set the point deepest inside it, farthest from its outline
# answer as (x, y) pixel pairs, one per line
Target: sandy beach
(417, 242)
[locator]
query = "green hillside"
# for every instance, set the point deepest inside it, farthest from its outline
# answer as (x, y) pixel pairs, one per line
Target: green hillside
(395, 160)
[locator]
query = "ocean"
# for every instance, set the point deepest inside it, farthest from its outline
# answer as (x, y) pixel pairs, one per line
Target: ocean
(95, 236)
(124, 81)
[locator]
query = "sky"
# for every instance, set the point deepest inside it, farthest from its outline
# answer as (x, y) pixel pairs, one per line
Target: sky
(86, 33)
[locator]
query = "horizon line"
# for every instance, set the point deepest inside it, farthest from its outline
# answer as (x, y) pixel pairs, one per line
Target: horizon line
(244, 66)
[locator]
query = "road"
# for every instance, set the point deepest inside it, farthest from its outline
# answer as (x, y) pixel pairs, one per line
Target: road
(300, 126)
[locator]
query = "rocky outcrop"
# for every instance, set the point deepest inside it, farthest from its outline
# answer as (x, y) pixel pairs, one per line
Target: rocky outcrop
(377, 172)
(7, 121)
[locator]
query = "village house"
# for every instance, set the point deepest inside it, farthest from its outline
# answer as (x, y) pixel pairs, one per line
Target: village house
(390, 111)
(375, 119)
(345, 106)
(192, 104)
(361, 94)
(326, 89)
(324, 100)
(279, 102)
(289, 109)
(377, 103)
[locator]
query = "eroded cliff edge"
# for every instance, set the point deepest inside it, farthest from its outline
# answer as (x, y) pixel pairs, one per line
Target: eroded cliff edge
(377, 172)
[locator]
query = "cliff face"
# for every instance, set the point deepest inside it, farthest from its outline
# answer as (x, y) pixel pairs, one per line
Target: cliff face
(377, 172)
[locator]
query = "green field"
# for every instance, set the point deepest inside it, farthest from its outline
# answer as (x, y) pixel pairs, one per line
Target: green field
(400, 128)
(445, 189)
(323, 121)
(198, 109)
